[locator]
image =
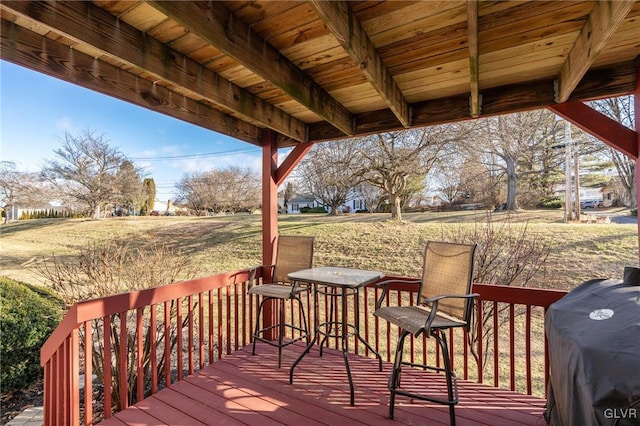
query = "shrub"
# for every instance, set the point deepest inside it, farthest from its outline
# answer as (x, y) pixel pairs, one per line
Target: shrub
(634, 212)
(29, 314)
(551, 203)
(105, 269)
(313, 210)
(507, 254)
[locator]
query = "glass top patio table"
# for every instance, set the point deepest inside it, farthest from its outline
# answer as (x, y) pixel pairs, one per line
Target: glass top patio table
(336, 282)
(336, 276)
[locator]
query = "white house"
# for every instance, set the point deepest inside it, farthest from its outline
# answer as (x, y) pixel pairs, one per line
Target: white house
(16, 212)
(301, 201)
(353, 204)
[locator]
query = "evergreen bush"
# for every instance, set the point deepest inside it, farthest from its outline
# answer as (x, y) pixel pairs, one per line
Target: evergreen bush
(28, 316)
(313, 210)
(551, 203)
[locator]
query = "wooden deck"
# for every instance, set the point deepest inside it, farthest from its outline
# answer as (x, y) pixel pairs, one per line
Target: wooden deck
(251, 390)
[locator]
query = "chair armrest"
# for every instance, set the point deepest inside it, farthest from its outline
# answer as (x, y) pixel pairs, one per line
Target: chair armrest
(450, 296)
(434, 300)
(253, 271)
(385, 287)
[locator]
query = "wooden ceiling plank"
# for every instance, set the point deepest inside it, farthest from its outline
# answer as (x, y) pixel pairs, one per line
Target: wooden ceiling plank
(83, 22)
(600, 25)
(218, 26)
(617, 80)
(474, 71)
(515, 22)
(350, 33)
(50, 57)
(410, 19)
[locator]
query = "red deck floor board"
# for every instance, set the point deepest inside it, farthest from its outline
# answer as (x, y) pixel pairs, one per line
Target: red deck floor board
(251, 390)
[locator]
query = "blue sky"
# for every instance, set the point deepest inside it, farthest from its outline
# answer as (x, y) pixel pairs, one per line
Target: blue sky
(36, 110)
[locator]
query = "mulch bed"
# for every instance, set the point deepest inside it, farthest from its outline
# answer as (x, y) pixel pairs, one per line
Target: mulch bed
(14, 403)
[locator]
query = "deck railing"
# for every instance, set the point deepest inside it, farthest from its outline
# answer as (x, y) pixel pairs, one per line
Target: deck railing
(153, 338)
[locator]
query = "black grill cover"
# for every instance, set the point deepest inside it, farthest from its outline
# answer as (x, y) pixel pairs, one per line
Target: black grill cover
(594, 354)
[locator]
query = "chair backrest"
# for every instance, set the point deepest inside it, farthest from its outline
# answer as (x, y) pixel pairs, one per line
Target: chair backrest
(448, 269)
(293, 253)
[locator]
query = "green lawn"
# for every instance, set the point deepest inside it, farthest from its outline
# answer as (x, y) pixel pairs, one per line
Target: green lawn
(217, 244)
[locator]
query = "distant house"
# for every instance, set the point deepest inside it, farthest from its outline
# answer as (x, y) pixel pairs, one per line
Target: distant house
(430, 201)
(437, 201)
(353, 204)
(17, 211)
(586, 194)
(613, 194)
(301, 201)
(356, 204)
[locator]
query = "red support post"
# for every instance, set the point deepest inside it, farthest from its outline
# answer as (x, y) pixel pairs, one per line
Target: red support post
(269, 197)
(269, 217)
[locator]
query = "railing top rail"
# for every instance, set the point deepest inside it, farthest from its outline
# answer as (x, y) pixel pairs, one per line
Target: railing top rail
(97, 308)
(518, 295)
(496, 293)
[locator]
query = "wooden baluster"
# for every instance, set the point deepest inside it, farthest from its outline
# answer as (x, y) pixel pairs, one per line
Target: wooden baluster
(512, 350)
(139, 356)
(88, 373)
(106, 325)
(190, 334)
(122, 382)
(153, 324)
(201, 327)
(179, 336)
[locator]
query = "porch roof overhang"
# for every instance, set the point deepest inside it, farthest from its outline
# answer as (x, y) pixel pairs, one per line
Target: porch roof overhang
(313, 71)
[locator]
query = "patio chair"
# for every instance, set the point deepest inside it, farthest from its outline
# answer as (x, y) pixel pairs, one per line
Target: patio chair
(293, 253)
(444, 301)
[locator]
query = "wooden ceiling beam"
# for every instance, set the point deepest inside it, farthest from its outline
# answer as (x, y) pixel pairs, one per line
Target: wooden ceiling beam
(293, 158)
(599, 125)
(351, 35)
(617, 80)
(30, 50)
(217, 25)
(605, 17)
(83, 22)
(474, 71)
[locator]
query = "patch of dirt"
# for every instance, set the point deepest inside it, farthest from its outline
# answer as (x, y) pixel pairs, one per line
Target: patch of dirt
(14, 403)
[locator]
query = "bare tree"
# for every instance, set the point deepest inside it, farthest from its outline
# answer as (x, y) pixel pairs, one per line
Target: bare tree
(620, 109)
(20, 188)
(10, 185)
(508, 254)
(193, 190)
(391, 160)
(101, 270)
(232, 189)
(447, 179)
(235, 189)
(86, 169)
(504, 142)
(328, 173)
(481, 182)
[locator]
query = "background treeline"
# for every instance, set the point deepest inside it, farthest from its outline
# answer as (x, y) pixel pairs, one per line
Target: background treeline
(505, 162)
